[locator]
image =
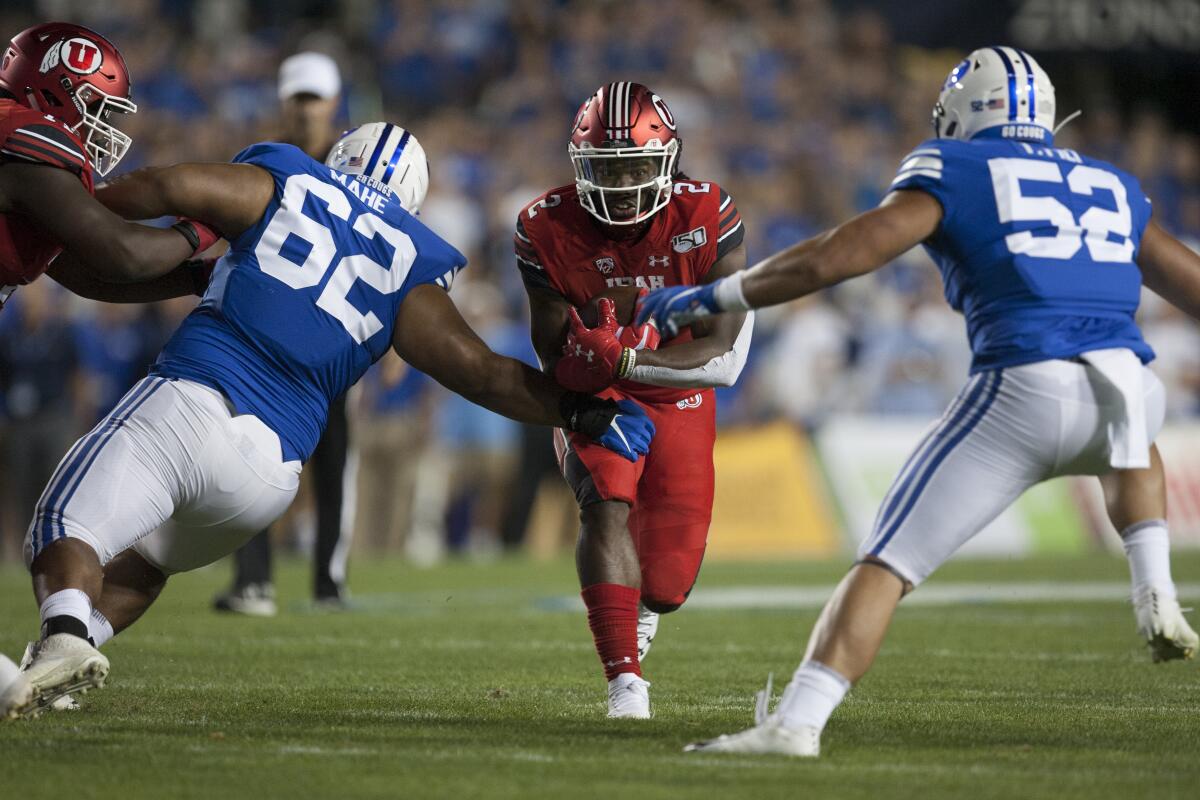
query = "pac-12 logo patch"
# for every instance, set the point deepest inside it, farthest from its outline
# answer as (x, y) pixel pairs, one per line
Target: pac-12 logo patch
(605, 264)
(81, 56)
(690, 240)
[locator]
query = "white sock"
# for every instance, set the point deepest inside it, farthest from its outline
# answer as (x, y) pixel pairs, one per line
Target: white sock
(68, 602)
(99, 628)
(1148, 548)
(815, 691)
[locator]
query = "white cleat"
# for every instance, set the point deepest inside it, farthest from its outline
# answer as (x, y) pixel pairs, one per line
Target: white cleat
(62, 665)
(628, 697)
(767, 738)
(64, 703)
(16, 693)
(1161, 623)
(647, 629)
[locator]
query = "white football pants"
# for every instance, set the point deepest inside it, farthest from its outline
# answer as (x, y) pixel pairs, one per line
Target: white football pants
(1007, 430)
(171, 449)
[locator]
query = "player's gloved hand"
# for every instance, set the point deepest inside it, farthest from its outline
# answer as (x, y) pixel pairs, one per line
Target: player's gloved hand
(199, 235)
(622, 427)
(640, 337)
(673, 307)
(593, 357)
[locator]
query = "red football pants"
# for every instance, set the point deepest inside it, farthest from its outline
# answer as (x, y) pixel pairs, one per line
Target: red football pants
(669, 490)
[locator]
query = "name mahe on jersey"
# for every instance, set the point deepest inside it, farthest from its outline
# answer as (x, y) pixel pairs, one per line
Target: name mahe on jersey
(306, 299)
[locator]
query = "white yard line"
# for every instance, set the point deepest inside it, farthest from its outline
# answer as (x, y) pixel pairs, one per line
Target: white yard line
(937, 594)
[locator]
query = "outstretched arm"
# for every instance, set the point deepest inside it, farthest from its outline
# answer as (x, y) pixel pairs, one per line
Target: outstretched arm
(111, 248)
(229, 197)
(1171, 269)
(863, 244)
(433, 337)
(189, 278)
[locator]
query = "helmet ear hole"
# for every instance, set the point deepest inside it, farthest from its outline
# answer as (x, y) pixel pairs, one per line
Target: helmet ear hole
(951, 128)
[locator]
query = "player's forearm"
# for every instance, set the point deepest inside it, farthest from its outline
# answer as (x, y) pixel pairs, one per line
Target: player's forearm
(690, 355)
(802, 269)
(142, 194)
(135, 253)
(1171, 269)
(722, 370)
(179, 282)
(517, 391)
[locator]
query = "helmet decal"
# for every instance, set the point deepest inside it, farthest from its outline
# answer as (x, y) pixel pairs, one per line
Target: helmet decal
(998, 92)
(81, 56)
(664, 113)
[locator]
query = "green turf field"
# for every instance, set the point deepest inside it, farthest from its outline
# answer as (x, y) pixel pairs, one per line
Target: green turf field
(479, 681)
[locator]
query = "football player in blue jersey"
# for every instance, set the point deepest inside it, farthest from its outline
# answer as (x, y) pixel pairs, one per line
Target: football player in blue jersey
(327, 268)
(1044, 251)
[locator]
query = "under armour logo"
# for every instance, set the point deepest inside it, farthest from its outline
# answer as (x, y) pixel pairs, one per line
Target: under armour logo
(660, 261)
(588, 355)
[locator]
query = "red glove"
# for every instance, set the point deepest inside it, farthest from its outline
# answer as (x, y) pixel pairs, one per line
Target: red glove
(199, 236)
(640, 337)
(593, 358)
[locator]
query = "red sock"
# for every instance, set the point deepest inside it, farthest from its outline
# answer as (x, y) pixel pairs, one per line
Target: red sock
(612, 616)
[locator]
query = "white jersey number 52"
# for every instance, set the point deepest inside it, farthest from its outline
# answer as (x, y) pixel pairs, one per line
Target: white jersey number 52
(1092, 227)
(289, 220)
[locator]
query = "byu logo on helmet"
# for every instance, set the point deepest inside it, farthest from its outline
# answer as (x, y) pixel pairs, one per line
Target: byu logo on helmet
(996, 91)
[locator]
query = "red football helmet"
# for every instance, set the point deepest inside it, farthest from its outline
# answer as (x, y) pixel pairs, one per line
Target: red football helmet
(624, 148)
(74, 75)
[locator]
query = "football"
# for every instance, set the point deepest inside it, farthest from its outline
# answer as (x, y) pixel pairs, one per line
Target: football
(624, 298)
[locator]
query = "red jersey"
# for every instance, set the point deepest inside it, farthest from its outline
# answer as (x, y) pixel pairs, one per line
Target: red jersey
(562, 249)
(28, 136)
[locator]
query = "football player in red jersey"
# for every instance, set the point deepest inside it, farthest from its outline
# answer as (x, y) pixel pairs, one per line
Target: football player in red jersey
(60, 85)
(632, 219)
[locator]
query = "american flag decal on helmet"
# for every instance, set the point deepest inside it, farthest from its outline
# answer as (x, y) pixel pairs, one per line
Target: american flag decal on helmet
(618, 110)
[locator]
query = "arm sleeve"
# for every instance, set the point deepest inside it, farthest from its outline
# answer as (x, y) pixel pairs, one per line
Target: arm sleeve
(43, 143)
(730, 231)
(533, 273)
(720, 371)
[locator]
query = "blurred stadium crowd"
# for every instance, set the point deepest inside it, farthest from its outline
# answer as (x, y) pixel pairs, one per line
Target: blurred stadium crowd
(800, 111)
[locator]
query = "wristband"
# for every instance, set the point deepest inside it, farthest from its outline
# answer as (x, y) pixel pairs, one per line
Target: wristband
(627, 363)
(729, 295)
(187, 231)
(586, 414)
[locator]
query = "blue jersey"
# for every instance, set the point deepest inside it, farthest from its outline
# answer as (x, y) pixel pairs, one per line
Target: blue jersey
(306, 299)
(1037, 247)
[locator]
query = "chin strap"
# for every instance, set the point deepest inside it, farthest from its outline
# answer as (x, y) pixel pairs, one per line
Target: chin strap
(1065, 120)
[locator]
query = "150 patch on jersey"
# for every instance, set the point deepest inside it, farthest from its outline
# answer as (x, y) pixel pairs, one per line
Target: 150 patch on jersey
(690, 240)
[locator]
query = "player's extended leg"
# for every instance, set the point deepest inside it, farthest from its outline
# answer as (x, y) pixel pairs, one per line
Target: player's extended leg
(607, 562)
(1137, 505)
(105, 494)
(981, 455)
(131, 585)
(671, 519)
(610, 578)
